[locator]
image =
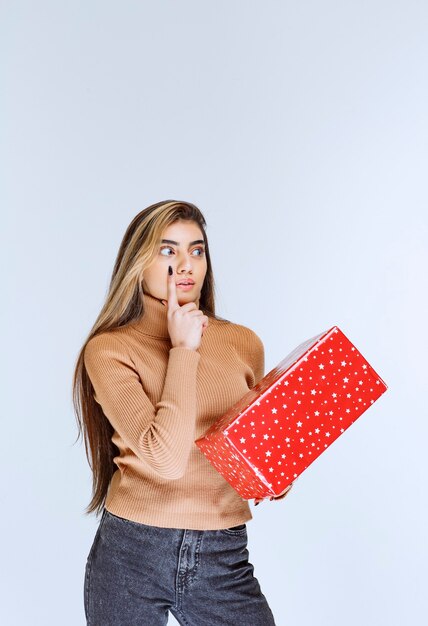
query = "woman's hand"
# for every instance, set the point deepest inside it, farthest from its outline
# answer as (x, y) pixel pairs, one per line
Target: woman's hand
(280, 497)
(186, 323)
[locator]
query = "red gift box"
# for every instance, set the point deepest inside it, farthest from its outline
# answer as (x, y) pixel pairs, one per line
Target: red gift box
(277, 429)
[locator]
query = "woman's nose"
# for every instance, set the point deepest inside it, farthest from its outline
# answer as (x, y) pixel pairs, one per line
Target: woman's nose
(184, 264)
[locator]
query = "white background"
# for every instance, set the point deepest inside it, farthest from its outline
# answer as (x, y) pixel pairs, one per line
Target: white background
(300, 131)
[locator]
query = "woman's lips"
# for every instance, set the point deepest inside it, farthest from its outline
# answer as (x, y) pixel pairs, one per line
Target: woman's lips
(186, 287)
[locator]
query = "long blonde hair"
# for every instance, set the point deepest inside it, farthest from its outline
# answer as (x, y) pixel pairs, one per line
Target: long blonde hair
(123, 305)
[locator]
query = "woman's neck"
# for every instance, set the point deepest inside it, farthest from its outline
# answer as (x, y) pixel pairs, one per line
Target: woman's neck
(154, 320)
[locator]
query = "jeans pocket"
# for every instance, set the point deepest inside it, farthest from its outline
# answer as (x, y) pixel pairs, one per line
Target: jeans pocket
(240, 529)
(124, 520)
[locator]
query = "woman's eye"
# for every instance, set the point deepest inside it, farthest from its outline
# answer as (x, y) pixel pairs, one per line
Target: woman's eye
(200, 250)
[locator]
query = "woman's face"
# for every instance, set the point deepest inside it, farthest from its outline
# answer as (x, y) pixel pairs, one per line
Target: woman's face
(182, 247)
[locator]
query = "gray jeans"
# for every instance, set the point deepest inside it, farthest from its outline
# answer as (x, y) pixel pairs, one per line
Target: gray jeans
(136, 573)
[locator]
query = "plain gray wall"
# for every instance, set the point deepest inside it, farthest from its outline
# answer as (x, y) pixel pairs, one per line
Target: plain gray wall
(300, 130)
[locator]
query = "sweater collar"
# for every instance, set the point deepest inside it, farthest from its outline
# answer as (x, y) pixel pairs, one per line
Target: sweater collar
(154, 320)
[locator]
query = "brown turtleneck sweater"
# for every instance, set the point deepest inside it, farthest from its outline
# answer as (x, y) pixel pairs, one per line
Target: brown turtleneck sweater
(159, 399)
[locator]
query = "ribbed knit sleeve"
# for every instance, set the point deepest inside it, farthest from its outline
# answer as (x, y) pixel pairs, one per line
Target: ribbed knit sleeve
(160, 435)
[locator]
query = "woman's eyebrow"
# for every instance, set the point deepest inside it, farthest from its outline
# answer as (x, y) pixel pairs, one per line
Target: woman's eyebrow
(177, 244)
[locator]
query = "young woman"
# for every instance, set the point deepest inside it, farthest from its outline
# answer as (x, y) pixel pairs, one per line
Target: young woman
(157, 369)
